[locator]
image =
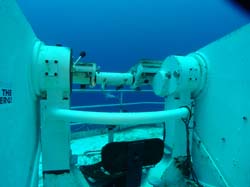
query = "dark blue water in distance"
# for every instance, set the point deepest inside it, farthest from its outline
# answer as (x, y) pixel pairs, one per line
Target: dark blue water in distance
(116, 34)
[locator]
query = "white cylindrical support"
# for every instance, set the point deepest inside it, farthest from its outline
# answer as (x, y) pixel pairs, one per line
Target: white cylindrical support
(86, 67)
(108, 118)
(179, 74)
(115, 79)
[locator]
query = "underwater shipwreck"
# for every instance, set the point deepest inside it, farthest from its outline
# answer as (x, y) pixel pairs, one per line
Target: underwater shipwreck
(199, 138)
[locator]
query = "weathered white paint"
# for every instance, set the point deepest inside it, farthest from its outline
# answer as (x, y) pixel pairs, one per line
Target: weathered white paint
(18, 120)
(222, 112)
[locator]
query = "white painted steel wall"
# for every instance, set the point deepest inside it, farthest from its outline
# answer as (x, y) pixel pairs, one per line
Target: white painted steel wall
(223, 113)
(18, 119)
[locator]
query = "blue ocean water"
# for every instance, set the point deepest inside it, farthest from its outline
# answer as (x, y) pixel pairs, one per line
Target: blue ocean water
(116, 34)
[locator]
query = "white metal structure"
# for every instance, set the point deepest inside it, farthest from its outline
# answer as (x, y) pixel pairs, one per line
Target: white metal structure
(206, 92)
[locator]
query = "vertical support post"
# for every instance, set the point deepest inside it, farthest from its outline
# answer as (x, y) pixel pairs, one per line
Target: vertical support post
(121, 101)
(55, 138)
(51, 78)
(175, 129)
(179, 80)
